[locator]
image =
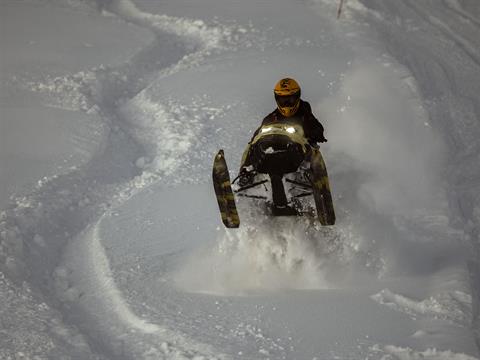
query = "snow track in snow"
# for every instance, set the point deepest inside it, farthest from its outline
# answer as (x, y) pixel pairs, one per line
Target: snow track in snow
(77, 199)
(84, 279)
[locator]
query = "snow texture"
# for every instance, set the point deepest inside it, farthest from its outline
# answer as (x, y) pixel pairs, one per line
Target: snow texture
(111, 246)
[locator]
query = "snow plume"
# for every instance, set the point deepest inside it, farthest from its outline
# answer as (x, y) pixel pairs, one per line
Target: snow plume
(379, 124)
(386, 165)
(273, 254)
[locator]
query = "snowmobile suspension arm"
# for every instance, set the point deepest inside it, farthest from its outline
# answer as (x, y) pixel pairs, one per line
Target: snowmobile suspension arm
(306, 186)
(250, 186)
(253, 196)
(302, 195)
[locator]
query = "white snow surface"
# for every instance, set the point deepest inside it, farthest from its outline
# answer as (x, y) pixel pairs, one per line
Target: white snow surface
(111, 245)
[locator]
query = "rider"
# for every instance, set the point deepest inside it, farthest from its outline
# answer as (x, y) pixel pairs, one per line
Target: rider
(291, 109)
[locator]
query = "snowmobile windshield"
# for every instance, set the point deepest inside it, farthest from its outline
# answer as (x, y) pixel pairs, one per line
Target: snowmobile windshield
(287, 101)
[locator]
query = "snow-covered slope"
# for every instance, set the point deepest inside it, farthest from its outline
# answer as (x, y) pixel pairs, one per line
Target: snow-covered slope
(117, 250)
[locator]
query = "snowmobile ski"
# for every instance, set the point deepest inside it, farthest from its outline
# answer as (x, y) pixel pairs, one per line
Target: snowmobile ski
(224, 193)
(321, 189)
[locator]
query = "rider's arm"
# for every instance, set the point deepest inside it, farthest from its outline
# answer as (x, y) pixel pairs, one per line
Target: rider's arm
(313, 129)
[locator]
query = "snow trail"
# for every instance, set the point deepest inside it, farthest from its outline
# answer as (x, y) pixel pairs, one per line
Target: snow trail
(77, 199)
(84, 279)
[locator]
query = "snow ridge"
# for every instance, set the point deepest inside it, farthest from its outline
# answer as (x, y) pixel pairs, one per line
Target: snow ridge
(454, 306)
(402, 353)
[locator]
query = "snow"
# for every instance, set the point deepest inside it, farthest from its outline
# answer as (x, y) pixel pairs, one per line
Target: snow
(259, 259)
(455, 306)
(409, 354)
(111, 244)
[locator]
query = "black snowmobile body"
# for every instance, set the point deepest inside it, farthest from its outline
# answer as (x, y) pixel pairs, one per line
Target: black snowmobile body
(287, 171)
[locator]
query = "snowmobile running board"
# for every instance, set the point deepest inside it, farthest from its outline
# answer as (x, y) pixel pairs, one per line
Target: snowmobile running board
(246, 187)
(259, 197)
(303, 185)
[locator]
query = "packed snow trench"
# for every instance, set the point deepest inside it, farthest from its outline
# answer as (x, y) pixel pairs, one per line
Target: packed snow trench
(111, 242)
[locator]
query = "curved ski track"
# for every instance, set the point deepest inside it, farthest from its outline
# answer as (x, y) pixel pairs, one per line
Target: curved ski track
(77, 200)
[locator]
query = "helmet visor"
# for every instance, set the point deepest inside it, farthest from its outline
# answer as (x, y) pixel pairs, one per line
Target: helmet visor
(287, 100)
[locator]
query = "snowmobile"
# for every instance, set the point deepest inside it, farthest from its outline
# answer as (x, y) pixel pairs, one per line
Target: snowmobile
(284, 170)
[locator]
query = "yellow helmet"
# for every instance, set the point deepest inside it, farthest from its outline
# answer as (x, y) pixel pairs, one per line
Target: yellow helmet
(287, 95)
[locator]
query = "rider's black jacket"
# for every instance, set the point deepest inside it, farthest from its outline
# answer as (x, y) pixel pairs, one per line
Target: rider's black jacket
(311, 126)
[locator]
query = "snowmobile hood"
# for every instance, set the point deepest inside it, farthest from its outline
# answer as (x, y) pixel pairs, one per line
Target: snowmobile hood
(292, 130)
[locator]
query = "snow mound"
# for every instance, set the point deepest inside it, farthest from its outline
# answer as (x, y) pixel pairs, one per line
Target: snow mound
(454, 306)
(209, 36)
(401, 353)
